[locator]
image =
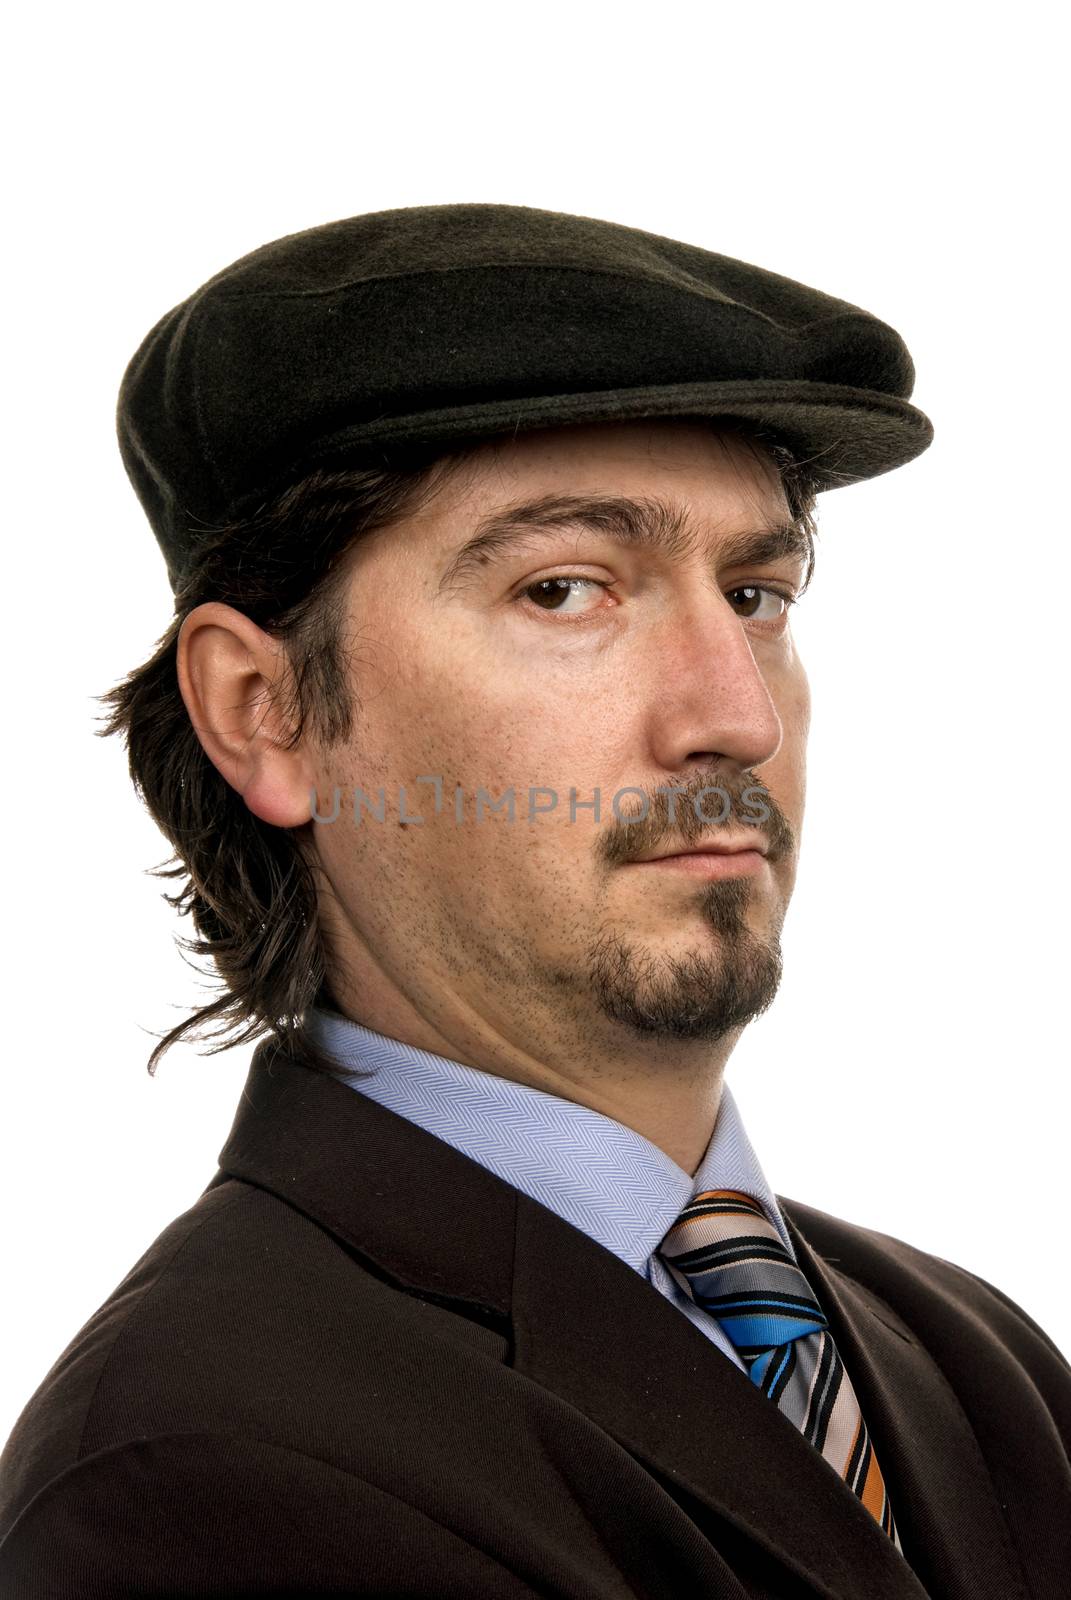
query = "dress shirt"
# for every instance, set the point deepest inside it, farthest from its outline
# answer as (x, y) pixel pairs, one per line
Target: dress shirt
(602, 1177)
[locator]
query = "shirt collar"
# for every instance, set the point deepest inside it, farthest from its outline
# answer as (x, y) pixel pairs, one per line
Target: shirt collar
(605, 1178)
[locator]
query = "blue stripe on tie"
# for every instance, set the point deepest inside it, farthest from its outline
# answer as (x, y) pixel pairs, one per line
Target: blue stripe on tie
(765, 1331)
(757, 1370)
(758, 1301)
(807, 1311)
(761, 1365)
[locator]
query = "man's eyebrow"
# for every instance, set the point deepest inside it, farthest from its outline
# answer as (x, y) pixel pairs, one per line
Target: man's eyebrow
(649, 524)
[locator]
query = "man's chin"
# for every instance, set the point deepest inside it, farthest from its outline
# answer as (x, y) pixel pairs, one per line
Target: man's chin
(691, 992)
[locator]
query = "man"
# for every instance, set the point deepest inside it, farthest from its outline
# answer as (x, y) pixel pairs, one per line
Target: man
(479, 734)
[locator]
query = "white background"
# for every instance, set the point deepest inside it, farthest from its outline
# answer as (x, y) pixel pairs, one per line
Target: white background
(912, 1075)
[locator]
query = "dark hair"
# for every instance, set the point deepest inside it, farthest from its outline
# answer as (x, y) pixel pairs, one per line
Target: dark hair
(247, 885)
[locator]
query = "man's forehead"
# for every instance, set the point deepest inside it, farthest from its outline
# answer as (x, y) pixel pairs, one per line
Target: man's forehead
(673, 471)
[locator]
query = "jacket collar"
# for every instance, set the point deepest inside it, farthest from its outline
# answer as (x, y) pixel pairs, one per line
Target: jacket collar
(576, 1315)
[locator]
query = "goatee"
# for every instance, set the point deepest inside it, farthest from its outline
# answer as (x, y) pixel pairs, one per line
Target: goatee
(699, 996)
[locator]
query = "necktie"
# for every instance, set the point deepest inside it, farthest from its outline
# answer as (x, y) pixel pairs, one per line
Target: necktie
(730, 1259)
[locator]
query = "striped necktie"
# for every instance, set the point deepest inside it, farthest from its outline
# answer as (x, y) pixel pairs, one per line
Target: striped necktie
(730, 1259)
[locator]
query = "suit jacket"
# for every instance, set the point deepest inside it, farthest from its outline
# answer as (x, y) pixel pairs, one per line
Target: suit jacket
(362, 1364)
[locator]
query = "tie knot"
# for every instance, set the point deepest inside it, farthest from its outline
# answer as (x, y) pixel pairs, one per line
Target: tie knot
(727, 1255)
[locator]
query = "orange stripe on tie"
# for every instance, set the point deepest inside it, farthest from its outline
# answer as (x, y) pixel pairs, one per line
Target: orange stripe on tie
(873, 1495)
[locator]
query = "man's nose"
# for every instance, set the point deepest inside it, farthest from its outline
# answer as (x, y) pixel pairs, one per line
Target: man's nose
(708, 697)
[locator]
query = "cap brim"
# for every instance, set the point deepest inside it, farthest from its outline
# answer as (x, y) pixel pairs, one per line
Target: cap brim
(844, 434)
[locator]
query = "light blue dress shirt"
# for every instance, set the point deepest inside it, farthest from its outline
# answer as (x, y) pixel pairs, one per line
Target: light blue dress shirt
(606, 1179)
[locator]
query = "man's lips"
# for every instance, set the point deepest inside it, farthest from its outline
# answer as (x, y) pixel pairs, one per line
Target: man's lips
(741, 844)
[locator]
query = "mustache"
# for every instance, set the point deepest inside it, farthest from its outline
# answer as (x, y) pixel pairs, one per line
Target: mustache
(690, 811)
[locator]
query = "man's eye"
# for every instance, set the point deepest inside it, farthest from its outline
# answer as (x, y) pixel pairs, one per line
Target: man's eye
(554, 594)
(751, 597)
(559, 593)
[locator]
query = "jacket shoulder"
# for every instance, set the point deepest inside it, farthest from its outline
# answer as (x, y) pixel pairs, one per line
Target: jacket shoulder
(245, 1317)
(48, 1434)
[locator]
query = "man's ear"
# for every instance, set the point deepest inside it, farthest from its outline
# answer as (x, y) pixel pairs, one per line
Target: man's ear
(229, 673)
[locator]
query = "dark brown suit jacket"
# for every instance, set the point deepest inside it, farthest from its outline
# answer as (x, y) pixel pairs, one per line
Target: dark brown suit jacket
(361, 1364)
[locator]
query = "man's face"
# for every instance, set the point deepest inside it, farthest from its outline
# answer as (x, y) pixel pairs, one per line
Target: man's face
(658, 666)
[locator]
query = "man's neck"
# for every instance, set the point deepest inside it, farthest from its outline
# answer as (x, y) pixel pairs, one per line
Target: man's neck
(666, 1089)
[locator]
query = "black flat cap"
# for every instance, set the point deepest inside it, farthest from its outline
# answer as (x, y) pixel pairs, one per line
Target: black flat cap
(432, 324)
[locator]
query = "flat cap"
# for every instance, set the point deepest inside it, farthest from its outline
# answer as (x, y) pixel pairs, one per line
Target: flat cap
(437, 324)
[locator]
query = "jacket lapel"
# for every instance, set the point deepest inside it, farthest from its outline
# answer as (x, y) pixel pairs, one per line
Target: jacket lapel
(579, 1316)
(950, 1521)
